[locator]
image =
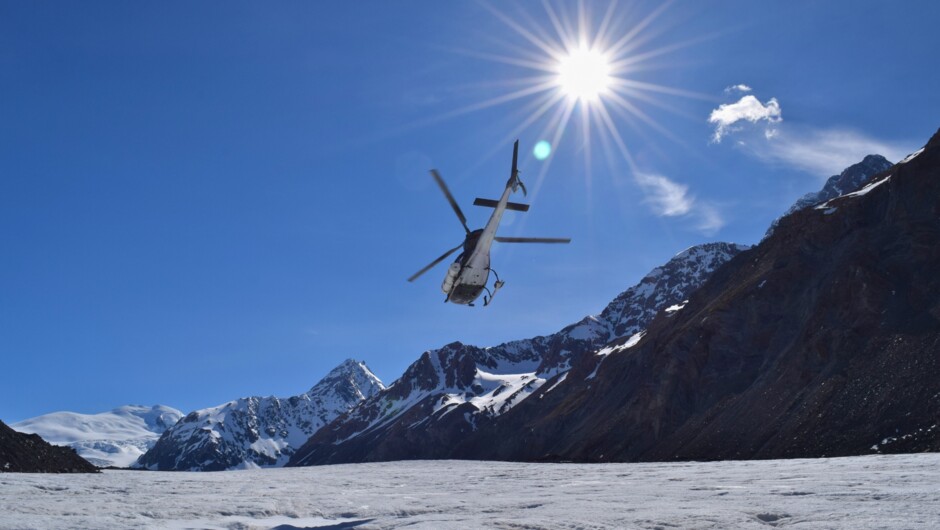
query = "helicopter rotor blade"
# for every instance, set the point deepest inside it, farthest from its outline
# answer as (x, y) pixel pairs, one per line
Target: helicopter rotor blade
(532, 239)
(450, 199)
(435, 262)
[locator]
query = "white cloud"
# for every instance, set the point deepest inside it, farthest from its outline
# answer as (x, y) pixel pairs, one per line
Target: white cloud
(737, 88)
(668, 198)
(671, 199)
(823, 152)
(748, 108)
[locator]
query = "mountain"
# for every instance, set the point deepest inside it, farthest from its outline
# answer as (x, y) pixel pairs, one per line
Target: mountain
(116, 438)
(259, 431)
(849, 180)
(29, 453)
(821, 341)
(452, 391)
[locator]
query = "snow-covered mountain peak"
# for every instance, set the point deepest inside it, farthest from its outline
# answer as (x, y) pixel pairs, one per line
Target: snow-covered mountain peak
(157, 418)
(849, 180)
(351, 378)
(260, 431)
(670, 283)
(114, 438)
(703, 251)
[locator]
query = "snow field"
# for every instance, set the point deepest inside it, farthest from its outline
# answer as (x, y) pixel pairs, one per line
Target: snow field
(114, 438)
(880, 491)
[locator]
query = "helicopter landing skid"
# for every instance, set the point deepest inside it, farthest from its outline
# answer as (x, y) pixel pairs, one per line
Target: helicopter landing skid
(487, 300)
(496, 287)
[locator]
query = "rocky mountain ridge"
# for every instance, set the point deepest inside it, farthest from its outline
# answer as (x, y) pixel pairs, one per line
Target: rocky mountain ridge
(259, 431)
(453, 390)
(821, 341)
(849, 180)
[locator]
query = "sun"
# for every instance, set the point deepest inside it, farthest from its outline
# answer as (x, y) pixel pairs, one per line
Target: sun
(579, 68)
(584, 74)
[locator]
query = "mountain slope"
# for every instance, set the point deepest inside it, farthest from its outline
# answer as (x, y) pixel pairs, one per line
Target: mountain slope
(821, 341)
(259, 431)
(116, 438)
(452, 391)
(29, 453)
(849, 180)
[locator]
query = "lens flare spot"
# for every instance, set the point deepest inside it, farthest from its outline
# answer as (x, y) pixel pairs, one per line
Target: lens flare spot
(542, 150)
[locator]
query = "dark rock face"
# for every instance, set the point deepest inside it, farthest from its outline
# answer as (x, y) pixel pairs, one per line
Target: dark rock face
(259, 431)
(449, 393)
(848, 181)
(28, 453)
(824, 340)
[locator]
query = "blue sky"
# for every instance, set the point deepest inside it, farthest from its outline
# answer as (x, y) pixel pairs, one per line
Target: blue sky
(205, 201)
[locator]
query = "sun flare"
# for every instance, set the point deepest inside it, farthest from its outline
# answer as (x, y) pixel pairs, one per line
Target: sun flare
(584, 74)
(584, 67)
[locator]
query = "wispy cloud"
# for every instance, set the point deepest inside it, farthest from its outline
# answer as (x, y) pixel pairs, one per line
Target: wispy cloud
(749, 109)
(822, 152)
(708, 219)
(668, 198)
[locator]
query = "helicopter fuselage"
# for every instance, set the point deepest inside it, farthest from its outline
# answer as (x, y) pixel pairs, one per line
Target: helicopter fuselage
(467, 277)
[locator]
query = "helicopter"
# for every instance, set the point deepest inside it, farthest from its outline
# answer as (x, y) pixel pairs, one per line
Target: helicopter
(469, 274)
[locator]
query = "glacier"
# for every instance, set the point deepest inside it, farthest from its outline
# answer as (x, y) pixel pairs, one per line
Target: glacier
(115, 438)
(883, 491)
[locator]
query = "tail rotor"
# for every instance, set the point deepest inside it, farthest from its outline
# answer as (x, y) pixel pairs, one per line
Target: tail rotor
(514, 181)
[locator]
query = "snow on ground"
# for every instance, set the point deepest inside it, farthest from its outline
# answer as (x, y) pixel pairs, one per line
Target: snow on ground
(894, 491)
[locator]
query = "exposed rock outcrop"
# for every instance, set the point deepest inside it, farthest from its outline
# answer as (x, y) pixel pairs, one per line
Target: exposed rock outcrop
(28, 453)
